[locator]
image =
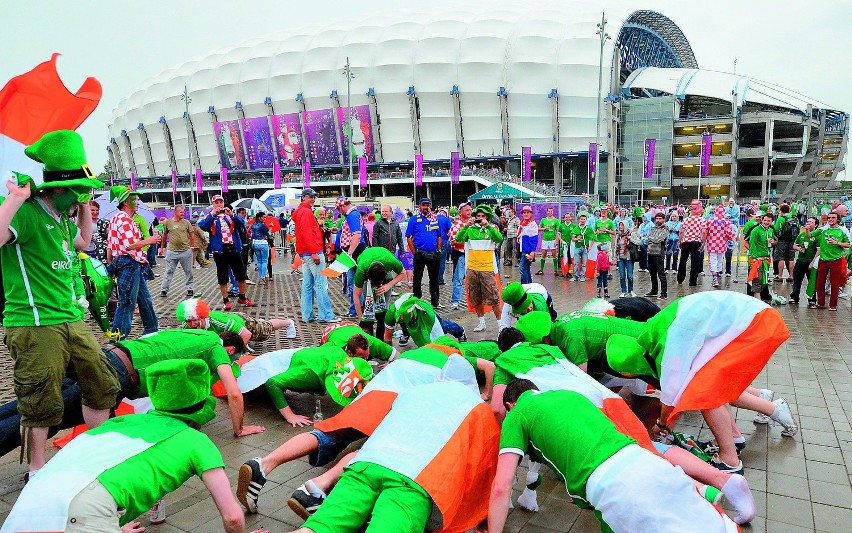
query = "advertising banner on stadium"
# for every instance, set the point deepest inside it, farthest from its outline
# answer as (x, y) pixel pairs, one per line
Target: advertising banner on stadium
(276, 175)
(362, 171)
(418, 169)
(706, 152)
(526, 162)
(230, 145)
(455, 167)
(199, 182)
(306, 173)
(359, 123)
(320, 137)
(650, 152)
(258, 143)
(288, 135)
(223, 172)
(593, 156)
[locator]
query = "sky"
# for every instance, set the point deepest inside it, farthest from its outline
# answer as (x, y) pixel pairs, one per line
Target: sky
(803, 46)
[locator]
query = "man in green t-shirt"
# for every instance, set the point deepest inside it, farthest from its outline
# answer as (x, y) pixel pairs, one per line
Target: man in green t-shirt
(760, 237)
(581, 238)
(196, 314)
(43, 318)
(377, 272)
(566, 244)
(105, 478)
(339, 335)
(582, 337)
(549, 225)
(833, 242)
(418, 320)
(604, 228)
(806, 248)
(602, 468)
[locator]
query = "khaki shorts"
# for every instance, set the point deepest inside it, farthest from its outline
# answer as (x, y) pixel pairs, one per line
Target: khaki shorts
(259, 328)
(482, 288)
(93, 509)
(42, 355)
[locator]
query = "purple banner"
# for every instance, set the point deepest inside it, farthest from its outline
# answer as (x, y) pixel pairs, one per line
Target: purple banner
(258, 143)
(288, 134)
(650, 152)
(526, 162)
(455, 167)
(199, 183)
(418, 169)
(133, 181)
(362, 171)
(306, 173)
(362, 133)
(276, 175)
(224, 173)
(174, 182)
(320, 137)
(230, 145)
(593, 155)
(706, 152)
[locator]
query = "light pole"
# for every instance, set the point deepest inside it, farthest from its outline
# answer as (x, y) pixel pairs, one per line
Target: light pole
(603, 37)
(186, 101)
(347, 72)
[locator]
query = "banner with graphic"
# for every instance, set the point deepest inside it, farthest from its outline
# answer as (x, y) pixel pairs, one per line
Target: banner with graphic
(199, 182)
(223, 172)
(650, 152)
(230, 145)
(306, 173)
(362, 171)
(174, 182)
(526, 162)
(259, 147)
(320, 137)
(706, 152)
(276, 175)
(418, 169)
(593, 156)
(455, 167)
(359, 123)
(288, 136)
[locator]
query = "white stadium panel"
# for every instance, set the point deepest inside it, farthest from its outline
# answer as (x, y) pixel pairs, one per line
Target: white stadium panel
(437, 125)
(177, 127)
(397, 138)
(206, 141)
(482, 129)
(159, 150)
(530, 123)
(135, 137)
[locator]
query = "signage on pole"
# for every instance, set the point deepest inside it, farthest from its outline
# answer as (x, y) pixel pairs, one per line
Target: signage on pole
(199, 183)
(455, 167)
(306, 173)
(526, 162)
(650, 152)
(174, 182)
(362, 171)
(133, 181)
(706, 152)
(224, 173)
(418, 169)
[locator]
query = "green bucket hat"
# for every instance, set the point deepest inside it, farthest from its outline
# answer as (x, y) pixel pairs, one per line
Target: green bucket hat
(515, 295)
(347, 378)
(535, 326)
(180, 388)
(120, 193)
(489, 212)
(627, 357)
(454, 211)
(64, 161)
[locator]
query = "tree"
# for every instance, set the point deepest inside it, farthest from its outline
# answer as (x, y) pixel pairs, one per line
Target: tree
(107, 172)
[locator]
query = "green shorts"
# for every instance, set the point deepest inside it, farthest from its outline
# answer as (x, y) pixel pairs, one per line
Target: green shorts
(369, 492)
(42, 355)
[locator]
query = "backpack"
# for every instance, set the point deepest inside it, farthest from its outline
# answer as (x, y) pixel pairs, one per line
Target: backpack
(790, 229)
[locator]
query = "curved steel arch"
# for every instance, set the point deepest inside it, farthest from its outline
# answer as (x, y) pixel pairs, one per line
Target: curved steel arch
(650, 39)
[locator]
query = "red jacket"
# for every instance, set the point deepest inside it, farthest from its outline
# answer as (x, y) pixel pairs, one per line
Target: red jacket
(308, 232)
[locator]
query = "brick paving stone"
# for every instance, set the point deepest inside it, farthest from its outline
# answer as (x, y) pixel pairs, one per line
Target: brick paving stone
(800, 484)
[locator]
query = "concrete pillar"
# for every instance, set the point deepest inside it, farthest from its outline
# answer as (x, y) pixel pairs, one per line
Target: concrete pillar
(504, 119)
(414, 113)
(116, 152)
(130, 159)
(146, 147)
(170, 147)
(376, 122)
(457, 117)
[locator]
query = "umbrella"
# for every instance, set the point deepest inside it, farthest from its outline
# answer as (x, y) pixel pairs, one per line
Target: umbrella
(252, 205)
(109, 209)
(272, 223)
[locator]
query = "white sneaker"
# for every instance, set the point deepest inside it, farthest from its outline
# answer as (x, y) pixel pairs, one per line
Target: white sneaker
(844, 295)
(761, 418)
(291, 330)
(250, 282)
(480, 327)
(455, 306)
(784, 417)
(623, 294)
(632, 294)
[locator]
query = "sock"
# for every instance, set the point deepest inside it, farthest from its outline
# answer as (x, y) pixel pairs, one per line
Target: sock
(32, 474)
(739, 440)
(226, 299)
(555, 264)
(314, 491)
(482, 320)
(774, 415)
(528, 500)
(242, 296)
(541, 263)
(737, 492)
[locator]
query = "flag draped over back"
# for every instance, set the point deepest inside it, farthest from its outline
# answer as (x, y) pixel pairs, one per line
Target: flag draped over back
(36, 103)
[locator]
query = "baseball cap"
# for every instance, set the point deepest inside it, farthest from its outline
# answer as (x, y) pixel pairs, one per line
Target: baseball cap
(425, 201)
(526, 208)
(309, 192)
(218, 197)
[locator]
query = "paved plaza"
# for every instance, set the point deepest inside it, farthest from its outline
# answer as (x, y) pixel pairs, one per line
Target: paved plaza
(800, 483)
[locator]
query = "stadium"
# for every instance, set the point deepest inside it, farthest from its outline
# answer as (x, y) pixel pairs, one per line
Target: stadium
(487, 86)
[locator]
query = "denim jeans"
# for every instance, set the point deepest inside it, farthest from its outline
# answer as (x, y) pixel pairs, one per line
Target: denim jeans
(261, 258)
(458, 279)
(625, 274)
(581, 255)
(442, 267)
(526, 275)
(312, 279)
(350, 288)
(133, 291)
(451, 328)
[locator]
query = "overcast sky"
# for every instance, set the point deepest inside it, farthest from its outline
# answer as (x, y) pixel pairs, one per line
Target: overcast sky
(802, 46)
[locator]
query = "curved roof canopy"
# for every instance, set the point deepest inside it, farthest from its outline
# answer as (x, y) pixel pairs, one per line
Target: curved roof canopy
(682, 82)
(654, 40)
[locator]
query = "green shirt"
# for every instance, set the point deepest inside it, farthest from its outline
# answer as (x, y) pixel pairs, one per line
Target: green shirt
(306, 373)
(487, 350)
(584, 235)
(758, 241)
(220, 322)
(176, 344)
(809, 244)
(38, 273)
(601, 225)
(573, 446)
(522, 358)
(138, 482)
(582, 337)
(566, 230)
(422, 324)
(340, 336)
(143, 228)
(828, 251)
(372, 255)
(549, 225)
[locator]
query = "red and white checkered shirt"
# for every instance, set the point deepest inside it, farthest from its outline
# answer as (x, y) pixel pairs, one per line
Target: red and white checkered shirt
(719, 232)
(693, 228)
(122, 233)
(225, 226)
(454, 230)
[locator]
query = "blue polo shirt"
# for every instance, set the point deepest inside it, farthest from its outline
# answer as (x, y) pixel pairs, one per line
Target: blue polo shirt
(424, 231)
(445, 223)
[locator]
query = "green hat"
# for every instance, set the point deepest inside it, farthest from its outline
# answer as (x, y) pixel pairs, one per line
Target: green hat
(64, 161)
(347, 378)
(535, 326)
(180, 388)
(489, 212)
(638, 212)
(515, 295)
(626, 356)
(454, 211)
(121, 193)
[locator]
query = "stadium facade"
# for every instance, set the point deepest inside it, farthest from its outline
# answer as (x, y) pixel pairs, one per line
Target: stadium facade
(484, 85)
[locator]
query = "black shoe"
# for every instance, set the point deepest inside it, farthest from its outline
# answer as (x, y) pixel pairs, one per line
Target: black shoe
(303, 504)
(163, 294)
(710, 447)
(249, 482)
(662, 296)
(403, 340)
(812, 304)
(463, 337)
(190, 294)
(693, 285)
(793, 302)
(650, 294)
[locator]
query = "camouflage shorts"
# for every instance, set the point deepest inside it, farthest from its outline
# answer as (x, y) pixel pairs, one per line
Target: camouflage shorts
(259, 328)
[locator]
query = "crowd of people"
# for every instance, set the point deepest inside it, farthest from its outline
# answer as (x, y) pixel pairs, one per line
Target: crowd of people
(444, 425)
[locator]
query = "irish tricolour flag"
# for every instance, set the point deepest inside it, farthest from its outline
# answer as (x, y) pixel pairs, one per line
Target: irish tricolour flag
(36, 103)
(340, 266)
(713, 345)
